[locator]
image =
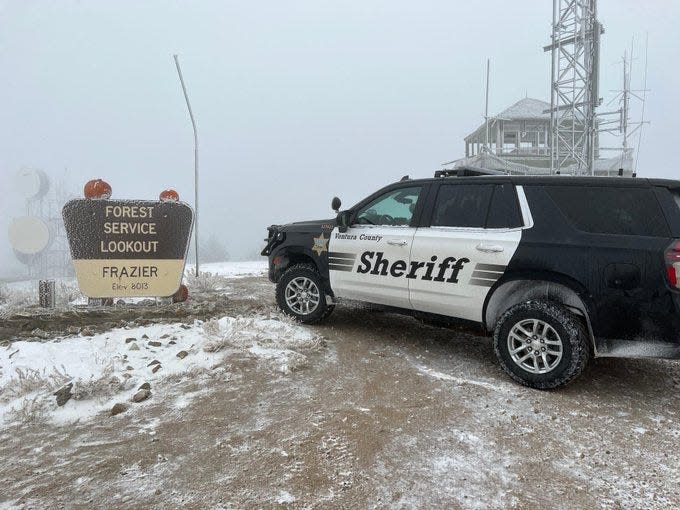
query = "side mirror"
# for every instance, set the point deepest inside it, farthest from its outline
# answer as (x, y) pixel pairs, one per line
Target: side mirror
(335, 204)
(344, 219)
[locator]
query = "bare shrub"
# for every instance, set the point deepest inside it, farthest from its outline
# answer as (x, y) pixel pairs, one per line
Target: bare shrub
(68, 292)
(12, 298)
(205, 282)
(32, 411)
(104, 385)
(237, 336)
(27, 381)
(4, 293)
(212, 327)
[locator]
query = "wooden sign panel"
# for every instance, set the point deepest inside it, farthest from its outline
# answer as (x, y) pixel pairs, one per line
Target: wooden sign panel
(128, 248)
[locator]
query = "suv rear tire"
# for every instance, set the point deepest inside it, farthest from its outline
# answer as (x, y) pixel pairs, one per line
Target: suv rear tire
(300, 293)
(541, 344)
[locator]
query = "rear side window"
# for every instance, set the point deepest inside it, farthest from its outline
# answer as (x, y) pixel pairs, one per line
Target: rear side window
(504, 209)
(611, 210)
(462, 205)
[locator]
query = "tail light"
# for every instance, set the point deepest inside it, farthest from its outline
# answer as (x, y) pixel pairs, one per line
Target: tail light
(673, 264)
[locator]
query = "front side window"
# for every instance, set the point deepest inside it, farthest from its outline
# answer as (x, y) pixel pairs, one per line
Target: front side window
(394, 208)
(462, 205)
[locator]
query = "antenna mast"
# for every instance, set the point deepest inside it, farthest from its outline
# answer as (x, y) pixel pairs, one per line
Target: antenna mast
(486, 108)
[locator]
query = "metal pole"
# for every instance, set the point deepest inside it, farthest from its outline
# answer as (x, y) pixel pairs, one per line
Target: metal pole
(486, 109)
(193, 124)
(553, 120)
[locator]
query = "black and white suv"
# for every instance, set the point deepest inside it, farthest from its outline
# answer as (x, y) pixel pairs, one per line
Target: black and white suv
(559, 268)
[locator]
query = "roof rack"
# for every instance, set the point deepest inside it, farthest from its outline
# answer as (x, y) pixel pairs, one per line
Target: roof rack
(467, 171)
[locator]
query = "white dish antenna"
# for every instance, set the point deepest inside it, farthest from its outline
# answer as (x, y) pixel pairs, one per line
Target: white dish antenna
(28, 260)
(32, 183)
(29, 235)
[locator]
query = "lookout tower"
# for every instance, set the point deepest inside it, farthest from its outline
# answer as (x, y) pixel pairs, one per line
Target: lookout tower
(519, 134)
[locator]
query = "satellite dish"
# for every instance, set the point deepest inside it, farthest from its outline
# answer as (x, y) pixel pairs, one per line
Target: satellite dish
(32, 183)
(29, 235)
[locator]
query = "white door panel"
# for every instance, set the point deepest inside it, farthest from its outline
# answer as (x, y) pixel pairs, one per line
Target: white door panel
(460, 267)
(364, 262)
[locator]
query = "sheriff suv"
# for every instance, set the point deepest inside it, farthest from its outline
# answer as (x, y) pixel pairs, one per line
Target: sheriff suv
(558, 268)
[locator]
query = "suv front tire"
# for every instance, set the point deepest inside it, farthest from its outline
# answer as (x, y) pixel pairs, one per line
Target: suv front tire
(300, 294)
(541, 344)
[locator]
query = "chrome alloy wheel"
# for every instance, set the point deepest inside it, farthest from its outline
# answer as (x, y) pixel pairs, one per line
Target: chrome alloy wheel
(302, 295)
(535, 346)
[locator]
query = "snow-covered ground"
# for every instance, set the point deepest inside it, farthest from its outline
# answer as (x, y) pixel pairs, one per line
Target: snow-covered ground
(366, 410)
(233, 269)
(109, 367)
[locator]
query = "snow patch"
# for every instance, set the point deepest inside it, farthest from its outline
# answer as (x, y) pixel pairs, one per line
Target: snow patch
(504, 388)
(233, 269)
(285, 498)
(109, 367)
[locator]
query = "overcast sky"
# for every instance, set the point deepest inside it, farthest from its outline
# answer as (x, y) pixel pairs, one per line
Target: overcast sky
(296, 101)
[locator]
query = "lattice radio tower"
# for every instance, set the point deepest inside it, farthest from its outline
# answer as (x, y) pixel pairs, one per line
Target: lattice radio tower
(575, 50)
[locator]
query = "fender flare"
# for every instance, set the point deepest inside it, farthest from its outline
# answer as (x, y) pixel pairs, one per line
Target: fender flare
(517, 290)
(292, 254)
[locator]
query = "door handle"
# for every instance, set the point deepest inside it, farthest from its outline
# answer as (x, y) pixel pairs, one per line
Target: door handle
(397, 243)
(491, 248)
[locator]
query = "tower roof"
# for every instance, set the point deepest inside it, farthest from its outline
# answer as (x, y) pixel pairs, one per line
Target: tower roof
(526, 108)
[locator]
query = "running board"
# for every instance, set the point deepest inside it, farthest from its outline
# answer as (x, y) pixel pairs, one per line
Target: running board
(637, 349)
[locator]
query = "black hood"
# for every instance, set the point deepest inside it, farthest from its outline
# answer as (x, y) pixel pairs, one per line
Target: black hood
(314, 226)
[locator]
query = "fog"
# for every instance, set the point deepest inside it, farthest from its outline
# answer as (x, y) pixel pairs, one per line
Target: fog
(295, 101)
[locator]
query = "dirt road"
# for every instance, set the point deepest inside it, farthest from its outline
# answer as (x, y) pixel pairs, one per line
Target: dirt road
(388, 414)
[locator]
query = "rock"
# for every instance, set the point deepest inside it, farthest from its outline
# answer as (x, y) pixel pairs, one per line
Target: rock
(141, 395)
(154, 343)
(130, 339)
(39, 333)
(184, 326)
(118, 408)
(86, 332)
(129, 367)
(145, 337)
(73, 330)
(154, 362)
(172, 342)
(134, 346)
(127, 376)
(165, 336)
(156, 368)
(145, 386)
(182, 354)
(64, 394)
(120, 302)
